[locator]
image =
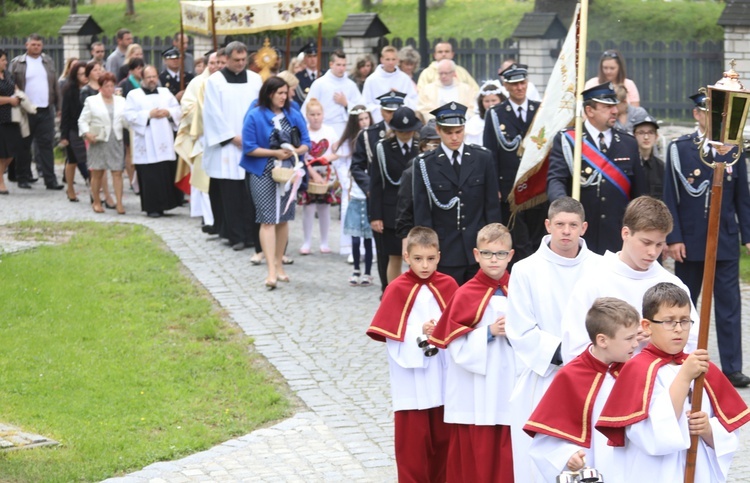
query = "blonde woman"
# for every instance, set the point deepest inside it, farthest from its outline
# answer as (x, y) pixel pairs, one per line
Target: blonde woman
(134, 51)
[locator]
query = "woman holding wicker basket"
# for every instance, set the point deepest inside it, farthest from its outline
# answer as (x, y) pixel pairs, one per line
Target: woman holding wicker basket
(274, 137)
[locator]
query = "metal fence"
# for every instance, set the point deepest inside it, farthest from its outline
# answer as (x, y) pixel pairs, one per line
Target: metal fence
(666, 74)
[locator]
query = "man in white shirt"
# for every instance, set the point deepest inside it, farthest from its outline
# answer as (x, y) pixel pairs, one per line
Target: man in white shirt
(446, 89)
(335, 92)
(34, 73)
(387, 76)
(117, 58)
(444, 50)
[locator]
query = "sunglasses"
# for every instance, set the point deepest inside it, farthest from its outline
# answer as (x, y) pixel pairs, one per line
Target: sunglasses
(609, 53)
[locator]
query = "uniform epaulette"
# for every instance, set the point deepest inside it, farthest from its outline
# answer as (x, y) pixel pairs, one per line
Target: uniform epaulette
(684, 137)
(479, 147)
(422, 155)
(620, 131)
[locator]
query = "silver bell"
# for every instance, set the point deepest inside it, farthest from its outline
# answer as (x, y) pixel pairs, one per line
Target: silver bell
(424, 343)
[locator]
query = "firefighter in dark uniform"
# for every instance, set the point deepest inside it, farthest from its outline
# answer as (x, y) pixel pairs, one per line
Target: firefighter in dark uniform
(455, 192)
(611, 172)
(170, 76)
(364, 156)
(392, 155)
(308, 75)
(505, 127)
(687, 191)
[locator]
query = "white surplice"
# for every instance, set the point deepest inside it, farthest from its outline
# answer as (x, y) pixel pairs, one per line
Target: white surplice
(656, 448)
(224, 108)
(537, 295)
(380, 82)
(480, 374)
(550, 455)
(323, 89)
(417, 381)
(153, 139)
(613, 278)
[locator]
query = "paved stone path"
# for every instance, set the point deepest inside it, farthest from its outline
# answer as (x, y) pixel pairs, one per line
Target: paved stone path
(312, 331)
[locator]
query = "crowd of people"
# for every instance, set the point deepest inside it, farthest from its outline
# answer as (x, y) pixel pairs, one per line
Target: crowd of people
(421, 164)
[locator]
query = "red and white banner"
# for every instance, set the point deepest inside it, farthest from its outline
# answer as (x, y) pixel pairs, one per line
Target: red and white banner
(555, 114)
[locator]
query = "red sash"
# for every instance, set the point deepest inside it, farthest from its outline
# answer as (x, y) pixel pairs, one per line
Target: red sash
(602, 164)
(390, 319)
(631, 396)
(467, 307)
(565, 410)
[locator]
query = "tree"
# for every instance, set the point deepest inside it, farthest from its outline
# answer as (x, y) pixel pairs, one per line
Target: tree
(563, 8)
(73, 7)
(130, 8)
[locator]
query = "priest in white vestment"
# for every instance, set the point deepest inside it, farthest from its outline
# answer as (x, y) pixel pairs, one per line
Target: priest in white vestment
(445, 90)
(154, 114)
(229, 93)
(537, 295)
(189, 143)
(336, 92)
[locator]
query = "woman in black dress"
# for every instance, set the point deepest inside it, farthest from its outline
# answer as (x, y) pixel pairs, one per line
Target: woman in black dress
(75, 147)
(10, 132)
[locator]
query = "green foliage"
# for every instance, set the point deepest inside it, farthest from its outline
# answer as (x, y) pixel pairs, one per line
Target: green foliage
(653, 20)
(616, 20)
(112, 351)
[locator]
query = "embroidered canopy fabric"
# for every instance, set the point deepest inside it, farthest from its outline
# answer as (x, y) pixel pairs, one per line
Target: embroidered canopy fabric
(249, 16)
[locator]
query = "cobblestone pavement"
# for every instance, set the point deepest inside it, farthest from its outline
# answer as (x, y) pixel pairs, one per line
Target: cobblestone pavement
(345, 433)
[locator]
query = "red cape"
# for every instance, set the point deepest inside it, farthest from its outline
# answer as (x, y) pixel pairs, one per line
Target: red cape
(390, 319)
(577, 384)
(467, 307)
(631, 396)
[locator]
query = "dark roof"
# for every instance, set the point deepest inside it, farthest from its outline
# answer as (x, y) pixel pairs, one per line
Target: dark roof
(736, 13)
(540, 25)
(80, 25)
(363, 25)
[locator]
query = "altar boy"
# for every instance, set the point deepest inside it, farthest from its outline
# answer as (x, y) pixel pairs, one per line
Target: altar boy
(649, 409)
(562, 423)
(409, 309)
(481, 368)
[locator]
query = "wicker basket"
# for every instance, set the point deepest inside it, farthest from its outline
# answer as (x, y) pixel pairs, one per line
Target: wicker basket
(282, 175)
(318, 188)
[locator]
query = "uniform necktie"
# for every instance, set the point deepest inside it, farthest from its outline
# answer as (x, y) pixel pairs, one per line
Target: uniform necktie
(602, 145)
(520, 113)
(312, 76)
(456, 165)
(405, 148)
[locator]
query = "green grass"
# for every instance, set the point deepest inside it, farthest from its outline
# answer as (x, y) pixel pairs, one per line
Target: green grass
(615, 20)
(110, 349)
(744, 265)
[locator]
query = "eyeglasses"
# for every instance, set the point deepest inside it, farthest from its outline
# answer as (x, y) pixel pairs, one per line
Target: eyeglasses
(672, 324)
(645, 133)
(610, 53)
(487, 255)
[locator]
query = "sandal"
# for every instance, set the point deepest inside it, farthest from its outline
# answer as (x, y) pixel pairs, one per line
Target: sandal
(257, 259)
(270, 285)
(366, 281)
(283, 278)
(354, 279)
(287, 260)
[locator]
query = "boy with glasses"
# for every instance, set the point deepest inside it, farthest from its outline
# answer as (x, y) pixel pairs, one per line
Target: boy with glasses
(626, 274)
(481, 367)
(649, 409)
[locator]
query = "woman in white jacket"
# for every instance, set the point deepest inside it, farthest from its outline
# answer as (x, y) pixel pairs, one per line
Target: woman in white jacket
(101, 124)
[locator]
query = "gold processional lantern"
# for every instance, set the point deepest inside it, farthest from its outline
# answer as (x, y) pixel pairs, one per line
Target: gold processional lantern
(727, 102)
(266, 59)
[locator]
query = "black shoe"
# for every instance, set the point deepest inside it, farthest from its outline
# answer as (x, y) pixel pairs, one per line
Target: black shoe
(238, 247)
(55, 186)
(34, 180)
(738, 379)
(24, 185)
(154, 214)
(209, 230)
